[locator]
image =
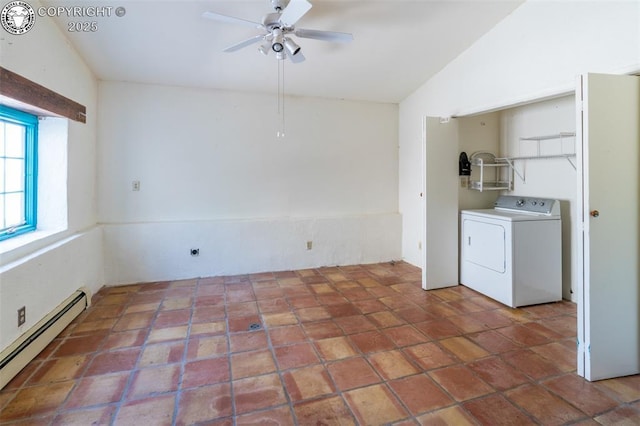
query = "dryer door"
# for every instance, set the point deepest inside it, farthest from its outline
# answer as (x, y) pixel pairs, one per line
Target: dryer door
(485, 244)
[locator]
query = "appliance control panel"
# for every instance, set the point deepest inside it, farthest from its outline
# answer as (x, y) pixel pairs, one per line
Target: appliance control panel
(544, 206)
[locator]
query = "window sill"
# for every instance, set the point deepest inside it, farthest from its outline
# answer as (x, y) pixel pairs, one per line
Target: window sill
(22, 245)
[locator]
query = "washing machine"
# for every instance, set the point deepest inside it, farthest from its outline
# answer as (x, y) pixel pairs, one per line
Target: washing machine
(513, 252)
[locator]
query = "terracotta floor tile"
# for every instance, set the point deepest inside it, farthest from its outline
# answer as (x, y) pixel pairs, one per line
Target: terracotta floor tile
(621, 416)
(313, 314)
(493, 341)
(204, 404)
(243, 324)
(447, 356)
(626, 389)
(125, 339)
(544, 406)
(352, 373)
(322, 330)
(498, 373)
(414, 315)
(438, 329)
(496, 410)
(460, 382)
(523, 335)
(36, 400)
(110, 362)
(328, 411)
(241, 309)
(205, 372)
(467, 324)
(372, 341)
(60, 369)
(277, 305)
(279, 319)
(210, 328)
(97, 390)
(208, 314)
(405, 335)
(258, 392)
(178, 303)
(80, 345)
(531, 364)
(134, 321)
(166, 334)
(343, 310)
(429, 356)
(463, 348)
(246, 364)
(206, 347)
(392, 364)
(563, 357)
(154, 380)
(172, 318)
(385, 319)
(420, 394)
(93, 416)
(161, 353)
(275, 416)
(308, 382)
(152, 411)
(374, 405)
(303, 302)
(92, 326)
(295, 356)
(447, 416)
(355, 324)
(491, 319)
(584, 395)
(252, 340)
(287, 335)
(369, 306)
(335, 348)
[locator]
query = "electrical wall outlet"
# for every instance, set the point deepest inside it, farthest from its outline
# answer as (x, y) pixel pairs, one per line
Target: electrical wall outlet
(22, 315)
(135, 185)
(309, 245)
(195, 252)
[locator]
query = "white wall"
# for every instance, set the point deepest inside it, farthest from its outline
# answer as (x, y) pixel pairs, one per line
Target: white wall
(547, 178)
(535, 52)
(40, 275)
(213, 175)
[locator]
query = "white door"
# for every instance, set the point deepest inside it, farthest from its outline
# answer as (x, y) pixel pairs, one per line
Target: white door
(440, 203)
(609, 205)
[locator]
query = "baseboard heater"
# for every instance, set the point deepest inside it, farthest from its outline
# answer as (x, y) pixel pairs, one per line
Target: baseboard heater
(15, 357)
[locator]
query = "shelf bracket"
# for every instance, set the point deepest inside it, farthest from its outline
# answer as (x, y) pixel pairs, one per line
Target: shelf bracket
(572, 163)
(513, 167)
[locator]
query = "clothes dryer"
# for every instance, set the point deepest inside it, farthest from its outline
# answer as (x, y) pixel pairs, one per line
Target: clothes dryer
(513, 252)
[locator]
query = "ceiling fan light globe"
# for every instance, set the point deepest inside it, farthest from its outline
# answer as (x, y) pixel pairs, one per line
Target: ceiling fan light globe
(292, 46)
(277, 47)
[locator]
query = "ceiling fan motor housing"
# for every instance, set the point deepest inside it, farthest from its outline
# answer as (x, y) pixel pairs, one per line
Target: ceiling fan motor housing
(279, 5)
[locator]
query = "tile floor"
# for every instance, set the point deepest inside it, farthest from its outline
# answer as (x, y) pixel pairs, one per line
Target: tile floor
(335, 346)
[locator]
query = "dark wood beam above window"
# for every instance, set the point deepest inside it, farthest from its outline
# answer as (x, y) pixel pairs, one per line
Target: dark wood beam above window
(26, 92)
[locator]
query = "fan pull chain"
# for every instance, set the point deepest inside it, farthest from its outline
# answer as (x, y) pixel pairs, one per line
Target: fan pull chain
(280, 133)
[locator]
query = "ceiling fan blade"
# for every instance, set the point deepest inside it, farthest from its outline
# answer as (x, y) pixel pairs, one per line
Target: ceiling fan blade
(297, 58)
(324, 35)
(295, 10)
(231, 20)
(245, 43)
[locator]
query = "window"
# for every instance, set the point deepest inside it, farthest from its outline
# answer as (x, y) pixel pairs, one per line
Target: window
(18, 172)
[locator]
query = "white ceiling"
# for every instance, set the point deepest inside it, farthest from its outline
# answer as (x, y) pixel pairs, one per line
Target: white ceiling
(398, 44)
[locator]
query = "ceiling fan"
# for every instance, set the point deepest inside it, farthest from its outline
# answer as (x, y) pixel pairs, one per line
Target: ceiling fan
(278, 27)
